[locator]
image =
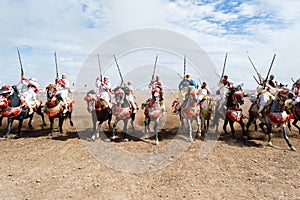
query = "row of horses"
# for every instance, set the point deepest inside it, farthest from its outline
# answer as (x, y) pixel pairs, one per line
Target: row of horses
(13, 108)
(122, 111)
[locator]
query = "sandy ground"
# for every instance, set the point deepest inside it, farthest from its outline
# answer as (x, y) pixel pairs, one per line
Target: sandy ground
(67, 167)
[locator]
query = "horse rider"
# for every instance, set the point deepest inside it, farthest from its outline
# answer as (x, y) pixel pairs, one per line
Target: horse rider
(63, 90)
(204, 92)
(157, 83)
(265, 93)
(30, 93)
(224, 84)
(129, 92)
(104, 90)
(183, 89)
(271, 81)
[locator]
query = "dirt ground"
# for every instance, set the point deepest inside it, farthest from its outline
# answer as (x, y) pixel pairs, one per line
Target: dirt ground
(65, 167)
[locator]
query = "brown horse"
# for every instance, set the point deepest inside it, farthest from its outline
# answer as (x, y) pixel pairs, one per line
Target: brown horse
(235, 99)
(295, 114)
(54, 108)
(99, 110)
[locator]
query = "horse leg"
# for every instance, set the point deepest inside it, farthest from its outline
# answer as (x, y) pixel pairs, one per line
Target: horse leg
(114, 129)
(20, 127)
(125, 129)
(8, 128)
(225, 125)
(155, 128)
(283, 130)
(30, 120)
(60, 123)
(69, 115)
(198, 133)
(269, 131)
(147, 123)
(1, 118)
(40, 113)
(94, 120)
(96, 131)
(132, 117)
(51, 126)
(190, 129)
(245, 134)
(250, 121)
(232, 129)
(109, 120)
(295, 124)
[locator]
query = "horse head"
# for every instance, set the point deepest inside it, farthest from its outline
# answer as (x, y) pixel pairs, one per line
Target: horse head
(51, 91)
(235, 97)
(192, 95)
(90, 99)
(119, 94)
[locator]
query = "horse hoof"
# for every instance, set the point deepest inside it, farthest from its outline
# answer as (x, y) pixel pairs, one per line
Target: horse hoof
(156, 142)
(71, 123)
(198, 135)
(270, 144)
(93, 138)
(49, 136)
(245, 137)
(293, 148)
(113, 137)
(125, 140)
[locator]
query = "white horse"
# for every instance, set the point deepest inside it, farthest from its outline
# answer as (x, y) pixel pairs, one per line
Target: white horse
(190, 110)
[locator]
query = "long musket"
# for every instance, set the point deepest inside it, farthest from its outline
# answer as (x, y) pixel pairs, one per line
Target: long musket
(56, 65)
(99, 67)
(22, 71)
(122, 80)
(223, 70)
(154, 69)
(184, 66)
(255, 79)
(293, 80)
(270, 67)
(258, 74)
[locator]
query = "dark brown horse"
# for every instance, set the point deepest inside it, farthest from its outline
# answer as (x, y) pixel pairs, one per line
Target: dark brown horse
(54, 109)
(99, 110)
(235, 99)
(295, 115)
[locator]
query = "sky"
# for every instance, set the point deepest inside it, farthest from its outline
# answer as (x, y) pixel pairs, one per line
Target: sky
(75, 28)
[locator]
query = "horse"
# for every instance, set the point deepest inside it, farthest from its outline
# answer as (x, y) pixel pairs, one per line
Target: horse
(207, 105)
(37, 107)
(190, 110)
(54, 108)
(295, 115)
(234, 101)
(122, 110)
(277, 114)
(13, 108)
(99, 110)
(153, 112)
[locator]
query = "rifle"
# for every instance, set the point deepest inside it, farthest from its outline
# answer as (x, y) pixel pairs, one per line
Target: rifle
(56, 65)
(293, 80)
(184, 66)
(223, 70)
(154, 69)
(255, 79)
(22, 71)
(270, 67)
(122, 80)
(99, 67)
(258, 74)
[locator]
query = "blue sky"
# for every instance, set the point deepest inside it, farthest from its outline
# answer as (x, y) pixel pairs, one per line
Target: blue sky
(74, 28)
